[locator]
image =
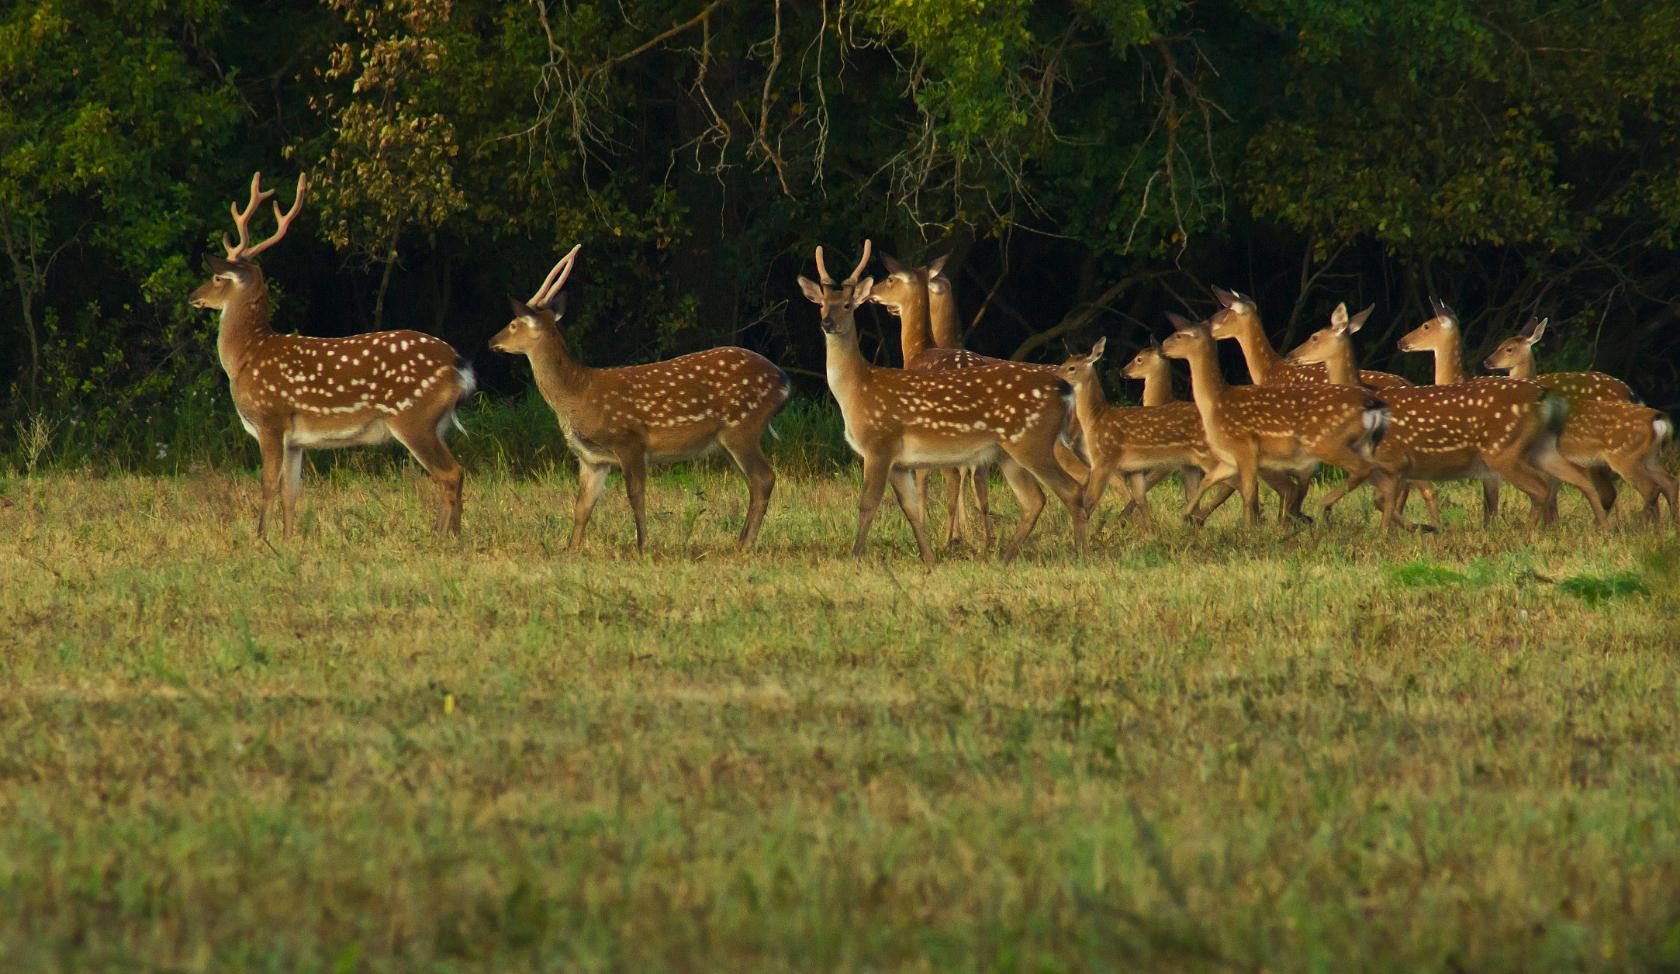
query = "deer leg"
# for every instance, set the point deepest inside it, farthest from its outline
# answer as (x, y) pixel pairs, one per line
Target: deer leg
(1188, 476)
(1634, 472)
(1248, 484)
(1031, 498)
(1515, 469)
(1070, 462)
(1389, 486)
(1140, 495)
(746, 449)
(875, 472)
(1490, 500)
(1432, 501)
(291, 484)
(633, 461)
(1604, 482)
(1150, 479)
(1548, 459)
(1096, 484)
(591, 478)
(922, 486)
(904, 483)
(1291, 497)
(273, 447)
(1665, 484)
(1216, 478)
(429, 449)
(1064, 485)
(1355, 464)
(955, 514)
(980, 478)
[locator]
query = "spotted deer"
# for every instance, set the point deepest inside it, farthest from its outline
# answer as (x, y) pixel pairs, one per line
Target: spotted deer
(907, 293)
(1515, 355)
(1153, 369)
(944, 320)
(1468, 431)
(1135, 442)
(1286, 429)
(899, 421)
(638, 415)
(1238, 319)
(938, 358)
(1311, 361)
(296, 393)
(1531, 419)
(1604, 431)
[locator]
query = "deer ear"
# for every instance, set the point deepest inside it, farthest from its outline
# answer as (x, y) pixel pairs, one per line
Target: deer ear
(1537, 329)
(1339, 317)
(218, 265)
(1225, 297)
(937, 265)
(813, 290)
(1358, 321)
(861, 291)
(893, 264)
(1180, 323)
(1097, 349)
(557, 304)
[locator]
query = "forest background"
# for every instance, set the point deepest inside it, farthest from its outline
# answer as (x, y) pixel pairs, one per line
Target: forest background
(1088, 166)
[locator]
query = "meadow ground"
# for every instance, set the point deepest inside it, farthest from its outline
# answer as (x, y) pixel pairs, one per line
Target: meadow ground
(368, 749)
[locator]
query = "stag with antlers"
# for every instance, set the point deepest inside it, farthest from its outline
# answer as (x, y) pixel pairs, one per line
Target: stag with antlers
(295, 393)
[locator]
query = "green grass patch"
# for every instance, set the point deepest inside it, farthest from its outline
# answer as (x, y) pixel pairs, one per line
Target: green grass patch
(366, 748)
(1598, 589)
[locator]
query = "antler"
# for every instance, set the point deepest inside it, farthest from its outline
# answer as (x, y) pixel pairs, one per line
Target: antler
(556, 278)
(245, 250)
(857, 272)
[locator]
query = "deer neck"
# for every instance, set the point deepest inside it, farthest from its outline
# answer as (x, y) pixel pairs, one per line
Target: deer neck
(1340, 366)
(1207, 386)
(1449, 363)
(561, 379)
(1157, 387)
(1524, 369)
(1089, 403)
(845, 364)
(913, 324)
(243, 324)
(946, 326)
(1263, 360)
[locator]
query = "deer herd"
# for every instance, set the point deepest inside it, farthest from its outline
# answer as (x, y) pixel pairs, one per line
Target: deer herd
(1043, 427)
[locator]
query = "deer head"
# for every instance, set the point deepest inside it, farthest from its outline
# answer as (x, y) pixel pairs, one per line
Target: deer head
(235, 274)
(839, 302)
(1237, 314)
(904, 286)
(1516, 354)
(1147, 363)
(536, 319)
(1329, 342)
(1439, 333)
(838, 305)
(1188, 339)
(1080, 369)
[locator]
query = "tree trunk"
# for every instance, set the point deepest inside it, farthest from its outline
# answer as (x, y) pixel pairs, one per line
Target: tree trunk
(30, 284)
(385, 278)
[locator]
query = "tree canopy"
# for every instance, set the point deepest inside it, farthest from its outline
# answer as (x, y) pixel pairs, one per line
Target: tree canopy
(1088, 165)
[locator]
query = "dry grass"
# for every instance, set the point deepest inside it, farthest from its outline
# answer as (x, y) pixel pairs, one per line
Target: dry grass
(367, 749)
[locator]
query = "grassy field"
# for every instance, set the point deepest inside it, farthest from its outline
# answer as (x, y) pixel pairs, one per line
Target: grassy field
(368, 749)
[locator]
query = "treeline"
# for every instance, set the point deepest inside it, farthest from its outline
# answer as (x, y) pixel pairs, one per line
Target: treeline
(1087, 165)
